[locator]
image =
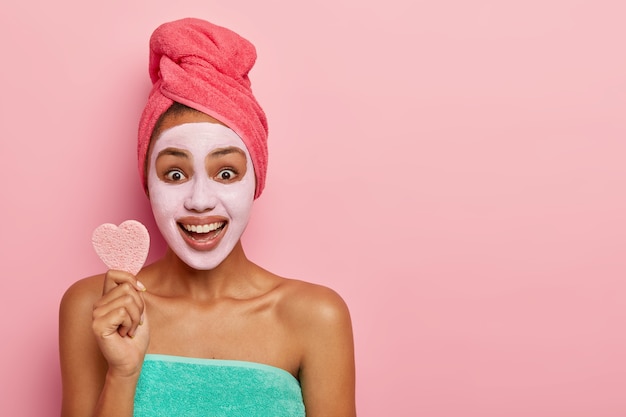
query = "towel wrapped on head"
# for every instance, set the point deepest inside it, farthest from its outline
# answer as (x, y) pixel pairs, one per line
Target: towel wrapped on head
(205, 67)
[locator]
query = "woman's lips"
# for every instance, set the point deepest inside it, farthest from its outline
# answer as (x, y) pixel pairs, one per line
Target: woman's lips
(202, 235)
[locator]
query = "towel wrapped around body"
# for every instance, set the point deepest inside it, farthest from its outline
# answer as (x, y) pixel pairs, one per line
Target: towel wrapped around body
(192, 387)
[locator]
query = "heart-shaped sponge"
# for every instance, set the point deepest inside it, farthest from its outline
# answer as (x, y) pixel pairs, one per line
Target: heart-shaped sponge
(124, 247)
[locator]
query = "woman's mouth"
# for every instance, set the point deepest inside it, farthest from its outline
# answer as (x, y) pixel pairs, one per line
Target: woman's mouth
(203, 232)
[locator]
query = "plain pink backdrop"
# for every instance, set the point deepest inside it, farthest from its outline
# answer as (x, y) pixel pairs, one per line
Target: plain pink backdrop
(455, 169)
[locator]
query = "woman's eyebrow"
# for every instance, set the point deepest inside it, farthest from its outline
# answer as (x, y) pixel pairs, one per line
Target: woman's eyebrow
(226, 151)
(173, 152)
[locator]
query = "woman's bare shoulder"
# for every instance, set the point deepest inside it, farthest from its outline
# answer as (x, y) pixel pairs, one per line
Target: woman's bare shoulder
(83, 293)
(321, 327)
(312, 305)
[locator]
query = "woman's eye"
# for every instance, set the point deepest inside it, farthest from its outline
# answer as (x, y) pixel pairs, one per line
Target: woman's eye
(226, 174)
(175, 175)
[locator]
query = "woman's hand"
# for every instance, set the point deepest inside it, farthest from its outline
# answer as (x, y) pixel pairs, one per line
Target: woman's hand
(120, 323)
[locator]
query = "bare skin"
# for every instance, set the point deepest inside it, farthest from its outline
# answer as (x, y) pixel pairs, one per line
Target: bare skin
(237, 311)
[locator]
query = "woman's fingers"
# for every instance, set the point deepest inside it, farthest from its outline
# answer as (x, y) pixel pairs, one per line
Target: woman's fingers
(122, 313)
(111, 322)
(114, 278)
(120, 309)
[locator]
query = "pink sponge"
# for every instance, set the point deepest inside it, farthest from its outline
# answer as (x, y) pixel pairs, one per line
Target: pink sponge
(123, 248)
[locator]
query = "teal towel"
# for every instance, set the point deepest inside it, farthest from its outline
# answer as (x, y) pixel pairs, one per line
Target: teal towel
(175, 386)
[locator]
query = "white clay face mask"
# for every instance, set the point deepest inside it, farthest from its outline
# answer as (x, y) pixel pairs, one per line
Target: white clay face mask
(201, 185)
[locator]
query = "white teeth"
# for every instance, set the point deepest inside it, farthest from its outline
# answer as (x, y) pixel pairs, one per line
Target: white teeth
(203, 228)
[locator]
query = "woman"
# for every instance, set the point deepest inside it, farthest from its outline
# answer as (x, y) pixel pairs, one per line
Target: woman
(203, 331)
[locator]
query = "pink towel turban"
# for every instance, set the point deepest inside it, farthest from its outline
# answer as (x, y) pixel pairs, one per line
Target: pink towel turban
(205, 67)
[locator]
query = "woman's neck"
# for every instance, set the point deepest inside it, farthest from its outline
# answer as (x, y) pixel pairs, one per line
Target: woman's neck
(233, 278)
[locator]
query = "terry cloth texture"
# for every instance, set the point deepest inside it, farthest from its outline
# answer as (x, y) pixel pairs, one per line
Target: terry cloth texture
(179, 386)
(205, 67)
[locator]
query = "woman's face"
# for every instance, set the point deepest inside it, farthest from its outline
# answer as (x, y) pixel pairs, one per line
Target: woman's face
(201, 187)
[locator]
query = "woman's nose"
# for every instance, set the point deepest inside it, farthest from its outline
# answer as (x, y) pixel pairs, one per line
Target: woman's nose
(202, 196)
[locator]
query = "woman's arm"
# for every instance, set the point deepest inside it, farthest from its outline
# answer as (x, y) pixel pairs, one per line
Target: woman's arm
(100, 362)
(327, 372)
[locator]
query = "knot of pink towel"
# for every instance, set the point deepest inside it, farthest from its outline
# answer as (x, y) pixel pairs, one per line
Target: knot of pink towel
(205, 67)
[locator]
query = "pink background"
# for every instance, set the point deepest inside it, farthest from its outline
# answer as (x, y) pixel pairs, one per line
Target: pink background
(455, 169)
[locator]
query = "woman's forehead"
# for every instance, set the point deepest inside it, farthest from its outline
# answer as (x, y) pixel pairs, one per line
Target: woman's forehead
(200, 137)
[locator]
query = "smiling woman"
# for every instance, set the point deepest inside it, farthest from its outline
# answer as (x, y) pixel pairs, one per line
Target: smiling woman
(213, 190)
(203, 330)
